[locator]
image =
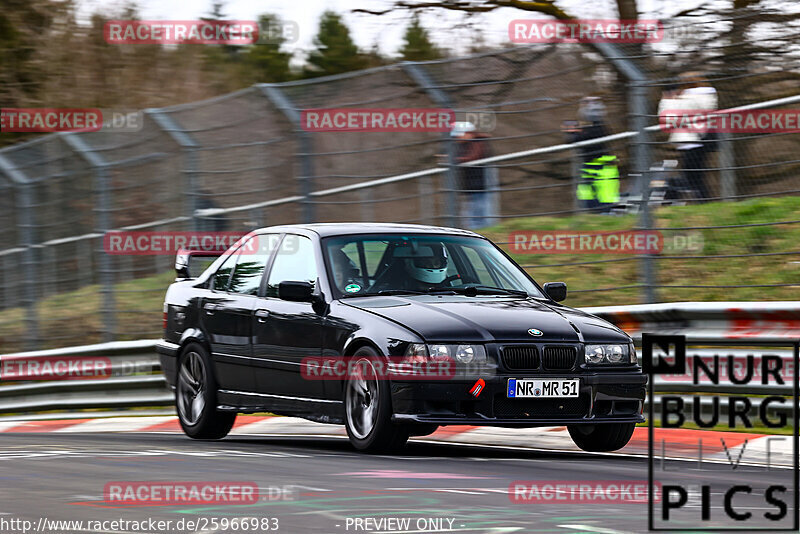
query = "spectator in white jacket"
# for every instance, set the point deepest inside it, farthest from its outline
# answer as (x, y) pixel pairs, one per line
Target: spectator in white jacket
(693, 94)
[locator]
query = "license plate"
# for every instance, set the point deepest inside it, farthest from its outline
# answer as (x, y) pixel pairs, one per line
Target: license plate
(542, 387)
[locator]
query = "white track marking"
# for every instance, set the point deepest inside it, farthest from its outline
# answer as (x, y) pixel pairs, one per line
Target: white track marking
(484, 530)
(598, 530)
(5, 425)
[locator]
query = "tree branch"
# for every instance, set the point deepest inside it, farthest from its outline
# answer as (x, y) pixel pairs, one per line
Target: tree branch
(547, 7)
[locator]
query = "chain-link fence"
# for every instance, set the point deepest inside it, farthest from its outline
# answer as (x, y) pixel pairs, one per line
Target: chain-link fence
(243, 161)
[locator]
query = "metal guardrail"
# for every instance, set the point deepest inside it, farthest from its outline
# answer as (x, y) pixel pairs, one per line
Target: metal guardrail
(709, 321)
(135, 381)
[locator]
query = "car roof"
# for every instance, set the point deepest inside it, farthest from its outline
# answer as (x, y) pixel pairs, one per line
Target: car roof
(333, 229)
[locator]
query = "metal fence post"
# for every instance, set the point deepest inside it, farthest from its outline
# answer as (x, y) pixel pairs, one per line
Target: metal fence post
(421, 77)
(279, 99)
(641, 161)
(427, 202)
(641, 153)
(367, 208)
(189, 146)
(28, 263)
(576, 164)
(102, 225)
(727, 177)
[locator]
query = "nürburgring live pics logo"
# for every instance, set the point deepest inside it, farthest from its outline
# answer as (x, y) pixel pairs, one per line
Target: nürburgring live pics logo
(732, 487)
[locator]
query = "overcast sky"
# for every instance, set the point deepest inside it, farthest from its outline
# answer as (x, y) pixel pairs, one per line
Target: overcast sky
(367, 30)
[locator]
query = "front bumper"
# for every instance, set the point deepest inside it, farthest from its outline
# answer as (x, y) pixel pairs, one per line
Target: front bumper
(604, 398)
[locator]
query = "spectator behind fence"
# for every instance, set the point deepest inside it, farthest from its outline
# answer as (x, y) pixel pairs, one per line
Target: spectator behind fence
(472, 145)
(694, 94)
(598, 186)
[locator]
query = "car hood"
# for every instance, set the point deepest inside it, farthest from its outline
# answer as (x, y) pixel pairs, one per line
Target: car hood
(481, 319)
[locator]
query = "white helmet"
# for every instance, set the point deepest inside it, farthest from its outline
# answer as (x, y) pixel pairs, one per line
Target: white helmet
(431, 269)
(459, 129)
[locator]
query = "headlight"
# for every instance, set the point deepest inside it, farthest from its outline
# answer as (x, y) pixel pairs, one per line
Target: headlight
(615, 353)
(634, 357)
(466, 354)
(598, 354)
(416, 352)
(439, 352)
(594, 353)
(442, 361)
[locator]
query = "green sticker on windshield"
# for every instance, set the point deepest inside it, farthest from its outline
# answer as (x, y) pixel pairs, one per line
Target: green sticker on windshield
(352, 288)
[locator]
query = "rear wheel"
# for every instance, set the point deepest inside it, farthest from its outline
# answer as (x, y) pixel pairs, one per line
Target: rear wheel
(196, 396)
(602, 437)
(368, 407)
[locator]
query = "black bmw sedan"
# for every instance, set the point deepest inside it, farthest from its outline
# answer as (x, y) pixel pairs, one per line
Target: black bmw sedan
(392, 330)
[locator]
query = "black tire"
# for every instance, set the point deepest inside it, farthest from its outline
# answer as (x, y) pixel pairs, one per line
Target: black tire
(196, 396)
(368, 410)
(602, 437)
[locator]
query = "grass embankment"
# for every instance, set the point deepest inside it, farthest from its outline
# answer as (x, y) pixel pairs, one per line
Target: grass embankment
(75, 318)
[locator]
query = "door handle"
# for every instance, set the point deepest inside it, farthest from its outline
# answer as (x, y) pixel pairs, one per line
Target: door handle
(209, 308)
(262, 315)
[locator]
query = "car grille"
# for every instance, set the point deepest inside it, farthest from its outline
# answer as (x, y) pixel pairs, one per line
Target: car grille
(559, 358)
(521, 358)
(540, 408)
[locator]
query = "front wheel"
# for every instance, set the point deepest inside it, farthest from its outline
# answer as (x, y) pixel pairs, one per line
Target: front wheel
(196, 396)
(603, 437)
(368, 407)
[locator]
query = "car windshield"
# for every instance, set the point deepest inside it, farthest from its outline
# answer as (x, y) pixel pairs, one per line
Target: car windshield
(424, 263)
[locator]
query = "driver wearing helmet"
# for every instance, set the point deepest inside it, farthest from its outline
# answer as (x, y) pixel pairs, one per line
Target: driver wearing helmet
(429, 265)
(415, 266)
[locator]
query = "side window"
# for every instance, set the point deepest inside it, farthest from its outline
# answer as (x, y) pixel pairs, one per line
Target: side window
(250, 265)
(223, 274)
(294, 261)
(345, 263)
(373, 252)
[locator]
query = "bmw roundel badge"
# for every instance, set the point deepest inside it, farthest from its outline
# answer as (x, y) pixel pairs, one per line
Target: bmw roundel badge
(535, 332)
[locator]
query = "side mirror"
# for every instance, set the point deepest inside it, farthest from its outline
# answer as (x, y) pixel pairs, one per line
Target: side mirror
(183, 262)
(556, 290)
(296, 291)
(182, 266)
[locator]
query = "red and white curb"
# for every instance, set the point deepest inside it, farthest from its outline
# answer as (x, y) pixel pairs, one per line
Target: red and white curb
(733, 447)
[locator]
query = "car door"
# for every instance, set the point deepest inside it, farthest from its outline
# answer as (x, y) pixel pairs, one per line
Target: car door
(226, 315)
(284, 332)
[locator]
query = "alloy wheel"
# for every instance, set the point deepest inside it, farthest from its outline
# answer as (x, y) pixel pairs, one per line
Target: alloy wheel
(362, 399)
(191, 388)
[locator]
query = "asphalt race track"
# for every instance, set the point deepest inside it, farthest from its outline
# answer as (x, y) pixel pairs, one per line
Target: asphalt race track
(328, 486)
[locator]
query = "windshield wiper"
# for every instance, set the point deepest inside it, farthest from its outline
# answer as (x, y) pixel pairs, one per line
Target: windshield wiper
(473, 290)
(399, 292)
(385, 292)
